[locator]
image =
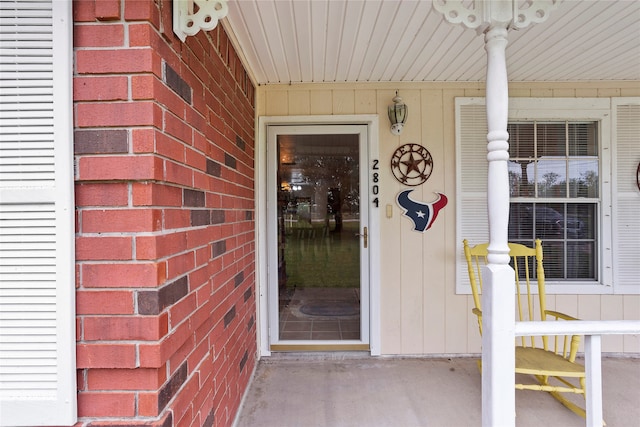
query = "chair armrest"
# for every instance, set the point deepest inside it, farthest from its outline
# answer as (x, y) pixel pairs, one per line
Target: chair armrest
(570, 349)
(559, 315)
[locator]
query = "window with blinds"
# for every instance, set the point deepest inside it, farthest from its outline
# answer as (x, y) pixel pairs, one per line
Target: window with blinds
(572, 182)
(554, 184)
(37, 338)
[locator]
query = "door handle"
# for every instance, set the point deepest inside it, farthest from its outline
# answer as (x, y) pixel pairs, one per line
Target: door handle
(365, 235)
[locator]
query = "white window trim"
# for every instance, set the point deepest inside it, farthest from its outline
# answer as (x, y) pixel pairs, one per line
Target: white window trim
(572, 109)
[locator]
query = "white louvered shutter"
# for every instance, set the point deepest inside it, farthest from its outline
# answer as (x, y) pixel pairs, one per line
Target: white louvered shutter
(472, 168)
(626, 202)
(37, 289)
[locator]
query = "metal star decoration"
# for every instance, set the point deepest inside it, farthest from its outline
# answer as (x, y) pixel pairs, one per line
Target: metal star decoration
(411, 164)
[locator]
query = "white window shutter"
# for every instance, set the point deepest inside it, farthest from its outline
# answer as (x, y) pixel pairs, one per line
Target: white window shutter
(37, 279)
(626, 198)
(471, 183)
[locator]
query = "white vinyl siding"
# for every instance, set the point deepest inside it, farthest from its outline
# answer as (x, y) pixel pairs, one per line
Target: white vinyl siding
(626, 199)
(37, 279)
(471, 171)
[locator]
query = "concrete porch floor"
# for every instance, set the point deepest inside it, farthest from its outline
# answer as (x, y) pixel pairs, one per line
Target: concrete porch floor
(344, 389)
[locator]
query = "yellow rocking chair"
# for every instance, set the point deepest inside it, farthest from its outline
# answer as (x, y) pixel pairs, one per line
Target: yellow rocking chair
(553, 363)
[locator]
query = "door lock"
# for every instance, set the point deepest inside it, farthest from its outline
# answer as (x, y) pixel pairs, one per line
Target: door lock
(364, 234)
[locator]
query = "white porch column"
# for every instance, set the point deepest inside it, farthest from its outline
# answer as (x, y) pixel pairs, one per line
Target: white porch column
(498, 304)
(494, 18)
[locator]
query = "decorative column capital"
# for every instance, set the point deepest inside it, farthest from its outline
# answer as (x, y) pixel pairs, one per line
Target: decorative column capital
(191, 16)
(487, 13)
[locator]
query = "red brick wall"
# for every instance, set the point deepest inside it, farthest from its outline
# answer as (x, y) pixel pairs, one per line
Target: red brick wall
(164, 145)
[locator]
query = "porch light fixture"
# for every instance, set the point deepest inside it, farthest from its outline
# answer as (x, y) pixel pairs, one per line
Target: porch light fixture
(397, 114)
(191, 16)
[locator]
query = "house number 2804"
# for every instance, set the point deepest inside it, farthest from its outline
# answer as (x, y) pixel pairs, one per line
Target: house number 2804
(375, 178)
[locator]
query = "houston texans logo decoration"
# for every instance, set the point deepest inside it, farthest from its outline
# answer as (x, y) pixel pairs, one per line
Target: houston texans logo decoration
(422, 214)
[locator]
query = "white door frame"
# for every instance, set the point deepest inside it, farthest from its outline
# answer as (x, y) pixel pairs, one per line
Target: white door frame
(360, 131)
(262, 244)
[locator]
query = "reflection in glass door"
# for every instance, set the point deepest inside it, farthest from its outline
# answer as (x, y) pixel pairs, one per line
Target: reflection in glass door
(320, 239)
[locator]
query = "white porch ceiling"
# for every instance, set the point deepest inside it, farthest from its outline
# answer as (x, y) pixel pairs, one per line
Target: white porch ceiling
(294, 41)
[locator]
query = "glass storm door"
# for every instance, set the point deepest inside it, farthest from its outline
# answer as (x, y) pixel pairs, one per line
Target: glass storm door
(318, 237)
